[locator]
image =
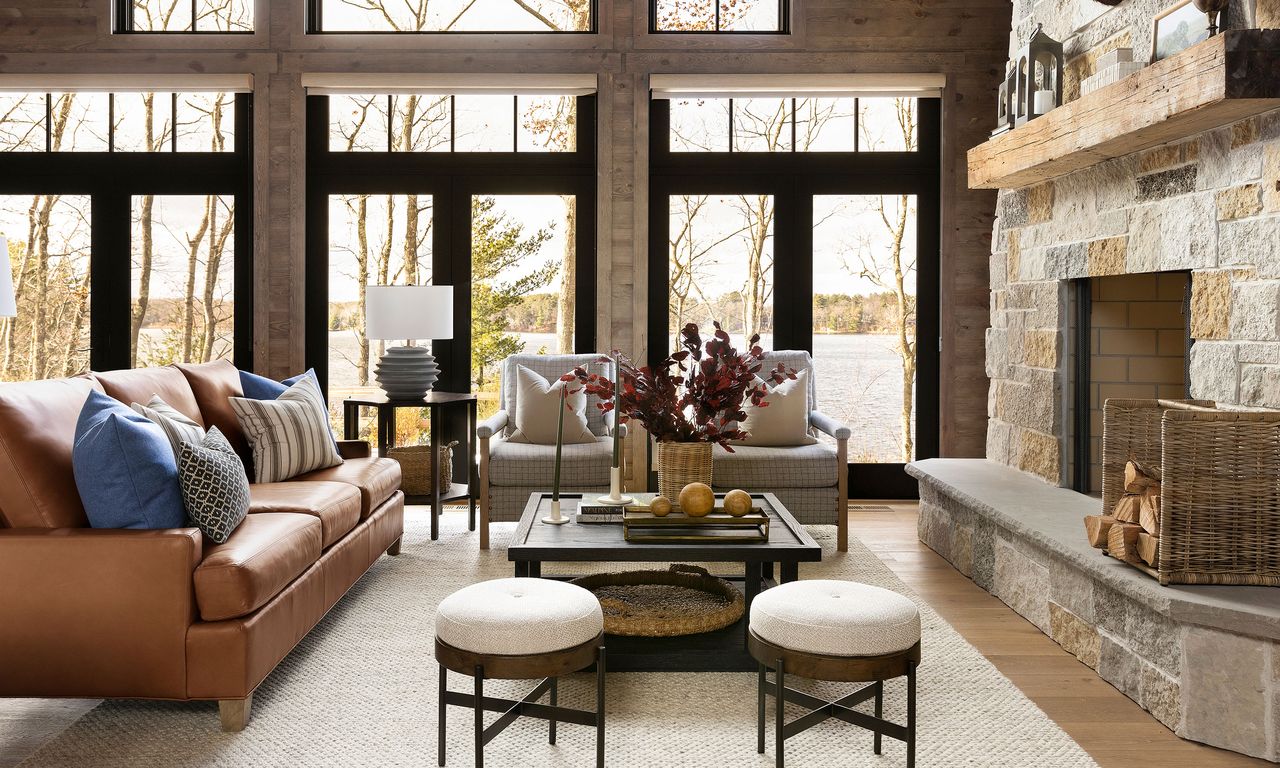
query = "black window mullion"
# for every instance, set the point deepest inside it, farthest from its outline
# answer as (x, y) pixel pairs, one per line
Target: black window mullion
(793, 125)
(391, 117)
(732, 124)
(110, 280)
(717, 15)
(173, 121)
(857, 123)
(48, 122)
(515, 123)
(111, 122)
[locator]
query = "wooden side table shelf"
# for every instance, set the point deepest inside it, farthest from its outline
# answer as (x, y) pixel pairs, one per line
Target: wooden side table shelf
(435, 403)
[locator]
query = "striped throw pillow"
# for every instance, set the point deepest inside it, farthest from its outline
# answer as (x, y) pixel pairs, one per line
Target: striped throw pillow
(176, 426)
(289, 435)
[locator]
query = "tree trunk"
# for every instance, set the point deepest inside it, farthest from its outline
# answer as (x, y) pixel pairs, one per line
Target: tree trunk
(144, 279)
(362, 281)
(80, 314)
(568, 279)
(217, 251)
(39, 321)
(189, 293)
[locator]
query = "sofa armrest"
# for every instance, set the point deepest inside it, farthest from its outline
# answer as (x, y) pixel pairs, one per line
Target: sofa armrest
(608, 422)
(824, 423)
(353, 449)
(97, 612)
(492, 425)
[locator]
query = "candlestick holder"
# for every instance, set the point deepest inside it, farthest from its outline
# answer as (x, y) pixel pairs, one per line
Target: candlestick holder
(555, 518)
(615, 497)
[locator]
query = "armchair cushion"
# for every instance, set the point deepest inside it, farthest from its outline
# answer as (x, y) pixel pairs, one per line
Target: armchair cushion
(764, 468)
(527, 464)
(538, 415)
(551, 367)
(782, 419)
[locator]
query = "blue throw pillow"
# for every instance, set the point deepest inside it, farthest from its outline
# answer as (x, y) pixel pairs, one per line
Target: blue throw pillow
(125, 468)
(257, 387)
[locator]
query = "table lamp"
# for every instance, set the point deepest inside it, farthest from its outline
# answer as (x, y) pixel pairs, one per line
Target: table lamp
(8, 304)
(408, 312)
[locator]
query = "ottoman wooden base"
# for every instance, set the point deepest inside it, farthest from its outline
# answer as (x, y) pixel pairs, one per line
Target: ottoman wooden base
(548, 666)
(870, 669)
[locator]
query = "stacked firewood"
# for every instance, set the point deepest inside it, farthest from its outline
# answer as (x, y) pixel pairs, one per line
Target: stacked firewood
(1131, 532)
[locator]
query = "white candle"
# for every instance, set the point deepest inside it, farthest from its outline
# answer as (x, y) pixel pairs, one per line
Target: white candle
(1044, 102)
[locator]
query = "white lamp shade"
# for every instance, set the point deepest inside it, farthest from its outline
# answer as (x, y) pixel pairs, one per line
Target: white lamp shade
(409, 312)
(8, 304)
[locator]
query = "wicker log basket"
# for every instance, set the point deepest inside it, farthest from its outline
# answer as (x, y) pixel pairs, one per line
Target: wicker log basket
(680, 464)
(683, 600)
(415, 467)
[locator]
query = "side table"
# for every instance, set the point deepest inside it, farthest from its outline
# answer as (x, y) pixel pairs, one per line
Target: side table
(435, 403)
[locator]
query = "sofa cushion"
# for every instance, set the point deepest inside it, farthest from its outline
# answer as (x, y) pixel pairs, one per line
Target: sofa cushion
(37, 434)
(258, 387)
(139, 385)
(526, 464)
(177, 428)
(289, 435)
(264, 554)
(125, 468)
(335, 505)
(376, 480)
(213, 384)
(763, 468)
(214, 486)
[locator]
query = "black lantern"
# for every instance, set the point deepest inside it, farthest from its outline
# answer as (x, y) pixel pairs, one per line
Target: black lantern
(1038, 69)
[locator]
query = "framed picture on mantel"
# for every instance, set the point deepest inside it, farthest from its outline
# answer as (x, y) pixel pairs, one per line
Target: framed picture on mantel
(1177, 29)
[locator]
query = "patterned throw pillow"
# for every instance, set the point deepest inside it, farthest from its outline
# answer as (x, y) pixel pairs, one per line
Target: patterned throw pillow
(289, 435)
(215, 488)
(538, 410)
(177, 427)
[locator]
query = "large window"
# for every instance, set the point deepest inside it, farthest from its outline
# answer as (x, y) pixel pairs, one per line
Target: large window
(184, 16)
(813, 222)
(126, 218)
(427, 16)
(759, 16)
(493, 194)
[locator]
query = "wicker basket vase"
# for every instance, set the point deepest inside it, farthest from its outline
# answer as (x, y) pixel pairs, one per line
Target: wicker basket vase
(680, 464)
(415, 467)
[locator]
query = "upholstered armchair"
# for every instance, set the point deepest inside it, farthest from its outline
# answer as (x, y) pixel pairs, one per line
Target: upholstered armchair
(812, 481)
(510, 472)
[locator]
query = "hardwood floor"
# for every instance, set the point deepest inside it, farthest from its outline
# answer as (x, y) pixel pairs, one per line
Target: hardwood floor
(1114, 730)
(1110, 727)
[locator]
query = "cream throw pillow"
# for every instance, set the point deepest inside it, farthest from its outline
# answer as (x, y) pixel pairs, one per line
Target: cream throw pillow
(537, 408)
(785, 420)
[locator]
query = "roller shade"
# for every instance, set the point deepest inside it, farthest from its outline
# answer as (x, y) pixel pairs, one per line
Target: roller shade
(477, 83)
(111, 83)
(829, 86)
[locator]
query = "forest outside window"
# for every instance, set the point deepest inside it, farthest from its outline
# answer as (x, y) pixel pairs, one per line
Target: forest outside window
(184, 16)
(723, 16)
(451, 16)
(452, 123)
(772, 124)
(116, 122)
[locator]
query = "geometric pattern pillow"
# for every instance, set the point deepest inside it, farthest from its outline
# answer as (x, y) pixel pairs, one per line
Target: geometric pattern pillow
(215, 488)
(289, 435)
(177, 427)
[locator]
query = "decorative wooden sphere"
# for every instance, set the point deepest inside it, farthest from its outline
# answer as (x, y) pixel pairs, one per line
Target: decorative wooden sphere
(697, 500)
(737, 503)
(660, 506)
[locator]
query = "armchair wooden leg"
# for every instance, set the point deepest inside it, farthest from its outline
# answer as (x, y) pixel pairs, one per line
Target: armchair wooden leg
(842, 500)
(484, 493)
(394, 549)
(235, 713)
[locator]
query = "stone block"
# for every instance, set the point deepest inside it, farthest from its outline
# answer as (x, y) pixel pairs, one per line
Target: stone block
(1071, 589)
(1260, 385)
(1120, 666)
(1040, 203)
(1271, 177)
(1013, 209)
(1187, 237)
(1160, 158)
(1144, 250)
(1040, 348)
(1162, 697)
(1022, 584)
(1064, 261)
(1214, 374)
(1210, 304)
(982, 544)
(1076, 636)
(1239, 202)
(1224, 690)
(1154, 637)
(1251, 242)
(1255, 310)
(1215, 160)
(1041, 455)
(1167, 183)
(1013, 259)
(999, 433)
(997, 362)
(1244, 132)
(1107, 257)
(934, 529)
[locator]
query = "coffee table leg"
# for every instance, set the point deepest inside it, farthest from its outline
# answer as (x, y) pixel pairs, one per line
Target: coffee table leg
(790, 572)
(522, 568)
(751, 584)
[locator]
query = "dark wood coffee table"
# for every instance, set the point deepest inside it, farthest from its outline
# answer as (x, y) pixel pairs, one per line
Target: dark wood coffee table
(789, 545)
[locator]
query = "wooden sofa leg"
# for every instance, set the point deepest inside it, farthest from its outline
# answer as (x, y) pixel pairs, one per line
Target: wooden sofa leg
(394, 549)
(235, 713)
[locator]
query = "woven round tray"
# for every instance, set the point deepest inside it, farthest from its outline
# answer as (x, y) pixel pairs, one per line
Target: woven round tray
(683, 600)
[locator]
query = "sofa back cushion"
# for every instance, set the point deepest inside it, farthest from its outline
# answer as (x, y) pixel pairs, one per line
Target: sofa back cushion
(37, 433)
(214, 384)
(141, 384)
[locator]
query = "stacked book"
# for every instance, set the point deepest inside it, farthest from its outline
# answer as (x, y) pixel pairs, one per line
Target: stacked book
(1112, 67)
(592, 514)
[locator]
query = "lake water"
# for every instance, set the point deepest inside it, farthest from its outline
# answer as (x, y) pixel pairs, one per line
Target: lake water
(859, 380)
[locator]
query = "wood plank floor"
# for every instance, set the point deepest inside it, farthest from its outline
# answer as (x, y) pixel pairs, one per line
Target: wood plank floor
(1110, 727)
(1106, 723)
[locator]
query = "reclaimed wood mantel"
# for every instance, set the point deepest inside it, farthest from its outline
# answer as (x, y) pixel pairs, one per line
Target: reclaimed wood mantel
(1224, 79)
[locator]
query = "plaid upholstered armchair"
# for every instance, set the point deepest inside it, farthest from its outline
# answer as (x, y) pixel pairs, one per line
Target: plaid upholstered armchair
(511, 471)
(812, 481)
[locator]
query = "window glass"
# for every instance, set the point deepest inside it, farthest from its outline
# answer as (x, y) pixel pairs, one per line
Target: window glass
(793, 125)
(762, 125)
(463, 123)
(359, 123)
(825, 125)
(144, 122)
(547, 124)
(192, 16)
(887, 125)
(484, 124)
(206, 122)
(420, 123)
(79, 122)
(699, 125)
(718, 15)
(454, 16)
(22, 122)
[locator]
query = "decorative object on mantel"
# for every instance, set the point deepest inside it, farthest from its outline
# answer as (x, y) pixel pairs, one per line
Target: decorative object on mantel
(682, 600)
(1178, 28)
(555, 518)
(615, 497)
(1212, 9)
(1112, 67)
(1039, 71)
(690, 408)
(409, 313)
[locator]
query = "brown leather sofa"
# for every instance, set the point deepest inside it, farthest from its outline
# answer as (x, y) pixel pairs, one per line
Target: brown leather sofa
(164, 614)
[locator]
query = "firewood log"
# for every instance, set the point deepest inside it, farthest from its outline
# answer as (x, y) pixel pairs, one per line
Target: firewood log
(1149, 549)
(1096, 527)
(1128, 508)
(1138, 477)
(1149, 510)
(1122, 541)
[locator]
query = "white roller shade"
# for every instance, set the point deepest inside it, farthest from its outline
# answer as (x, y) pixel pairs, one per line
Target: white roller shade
(828, 86)
(479, 83)
(188, 83)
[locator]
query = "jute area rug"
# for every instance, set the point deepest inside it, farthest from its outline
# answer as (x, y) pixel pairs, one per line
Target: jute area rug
(360, 691)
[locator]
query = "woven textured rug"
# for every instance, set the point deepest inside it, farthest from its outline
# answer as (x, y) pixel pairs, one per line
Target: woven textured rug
(360, 691)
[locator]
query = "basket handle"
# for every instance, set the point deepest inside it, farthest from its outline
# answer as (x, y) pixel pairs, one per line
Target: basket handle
(694, 569)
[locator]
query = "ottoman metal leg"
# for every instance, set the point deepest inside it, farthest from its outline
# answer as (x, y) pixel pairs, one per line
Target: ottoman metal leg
(444, 710)
(479, 702)
(555, 689)
(600, 672)
(879, 710)
(780, 721)
(760, 711)
(911, 714)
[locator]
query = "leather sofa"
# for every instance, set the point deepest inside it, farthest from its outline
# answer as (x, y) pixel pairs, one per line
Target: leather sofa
(165, 614)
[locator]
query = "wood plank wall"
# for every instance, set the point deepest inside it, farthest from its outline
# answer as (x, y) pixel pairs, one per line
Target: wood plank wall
(965, 39)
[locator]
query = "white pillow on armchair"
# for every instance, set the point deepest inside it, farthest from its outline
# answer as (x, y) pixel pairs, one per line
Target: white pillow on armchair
(785, 420)
(537, 409)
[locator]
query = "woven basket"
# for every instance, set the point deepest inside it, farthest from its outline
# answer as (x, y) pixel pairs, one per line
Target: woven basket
(683, 600)
(680, 464)
(415, 467)
(1219, 489)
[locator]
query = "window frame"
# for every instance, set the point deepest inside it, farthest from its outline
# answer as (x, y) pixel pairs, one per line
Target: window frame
(784, 23)
(111, 180)
(794, 178)
(122, 16)
(315, 26)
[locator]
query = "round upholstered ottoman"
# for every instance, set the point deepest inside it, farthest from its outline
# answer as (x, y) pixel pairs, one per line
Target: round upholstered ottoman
(839, 631)
(519, 629)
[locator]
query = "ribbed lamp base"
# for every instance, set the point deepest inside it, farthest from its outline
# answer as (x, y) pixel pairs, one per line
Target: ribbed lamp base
(406, 373)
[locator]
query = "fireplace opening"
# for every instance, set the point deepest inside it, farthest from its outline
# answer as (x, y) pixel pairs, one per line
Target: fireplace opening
(1131, 335)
